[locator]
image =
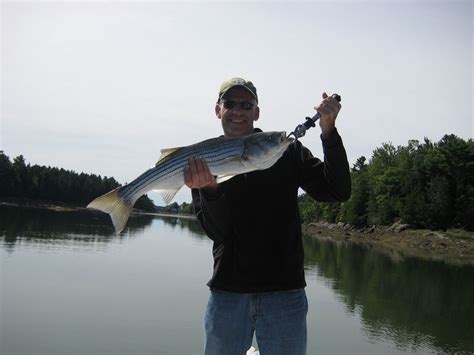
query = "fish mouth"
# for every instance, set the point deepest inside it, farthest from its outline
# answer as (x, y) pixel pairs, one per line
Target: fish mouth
(285, 140)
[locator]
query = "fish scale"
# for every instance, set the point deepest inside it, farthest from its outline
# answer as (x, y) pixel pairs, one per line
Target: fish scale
(225, 157)
(177, 163)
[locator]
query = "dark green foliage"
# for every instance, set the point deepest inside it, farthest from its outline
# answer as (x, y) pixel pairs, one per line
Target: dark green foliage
(145, 204)
(19, 180)
(186, 208)
(427, 185)
(175, 208)
(7, 175)
(356, 211)
(311, 211)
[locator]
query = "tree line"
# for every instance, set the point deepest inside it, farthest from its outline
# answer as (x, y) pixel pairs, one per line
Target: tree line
(426, 185)
(44, 183)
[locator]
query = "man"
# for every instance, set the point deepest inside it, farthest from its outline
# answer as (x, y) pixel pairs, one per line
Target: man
(258, 280)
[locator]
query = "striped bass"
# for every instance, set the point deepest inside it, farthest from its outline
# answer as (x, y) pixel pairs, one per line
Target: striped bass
(225, 156)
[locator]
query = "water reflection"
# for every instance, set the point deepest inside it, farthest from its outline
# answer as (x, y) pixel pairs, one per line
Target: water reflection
(189, 224)
(415, 304)
(412, 302)
(28, 224)
(78, 227)
(71, 286)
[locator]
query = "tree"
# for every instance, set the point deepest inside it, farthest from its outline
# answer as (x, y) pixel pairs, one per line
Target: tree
(145, 204)
(384, 185)
(355, 210)
(6, 176)
(20, 172)
(310, 211)
(186, 208)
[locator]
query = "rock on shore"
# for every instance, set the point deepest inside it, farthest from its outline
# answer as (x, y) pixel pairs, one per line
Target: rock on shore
(399, 239)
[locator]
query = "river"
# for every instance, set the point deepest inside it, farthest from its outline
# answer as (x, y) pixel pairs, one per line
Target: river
(69, 285)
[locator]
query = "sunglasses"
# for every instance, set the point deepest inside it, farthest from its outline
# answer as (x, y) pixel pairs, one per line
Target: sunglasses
(244, 105)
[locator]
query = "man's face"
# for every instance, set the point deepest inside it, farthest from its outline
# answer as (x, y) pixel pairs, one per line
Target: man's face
(237, 122)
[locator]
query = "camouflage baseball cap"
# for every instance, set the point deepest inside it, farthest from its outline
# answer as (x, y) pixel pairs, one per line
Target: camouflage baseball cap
(229, 84)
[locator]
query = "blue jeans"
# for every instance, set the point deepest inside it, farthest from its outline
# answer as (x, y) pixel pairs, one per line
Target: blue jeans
(277, 318)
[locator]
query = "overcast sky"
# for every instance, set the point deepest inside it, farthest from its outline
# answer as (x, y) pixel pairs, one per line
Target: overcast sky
(102, 87)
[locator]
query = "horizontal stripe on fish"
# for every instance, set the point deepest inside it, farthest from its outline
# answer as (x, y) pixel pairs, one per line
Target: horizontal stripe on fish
(177, 163)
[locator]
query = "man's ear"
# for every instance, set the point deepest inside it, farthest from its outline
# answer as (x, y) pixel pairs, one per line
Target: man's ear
(218, 111)
(257, 113)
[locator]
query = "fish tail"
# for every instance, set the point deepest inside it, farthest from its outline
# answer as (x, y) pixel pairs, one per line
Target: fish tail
(118, 208)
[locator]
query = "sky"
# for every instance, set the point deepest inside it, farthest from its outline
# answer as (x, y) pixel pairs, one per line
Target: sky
(102, 87)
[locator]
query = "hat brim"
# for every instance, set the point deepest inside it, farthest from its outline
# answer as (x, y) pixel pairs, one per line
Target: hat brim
(238, 85)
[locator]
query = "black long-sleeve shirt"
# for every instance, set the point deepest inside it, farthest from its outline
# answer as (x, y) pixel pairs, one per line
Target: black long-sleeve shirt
(254, 218)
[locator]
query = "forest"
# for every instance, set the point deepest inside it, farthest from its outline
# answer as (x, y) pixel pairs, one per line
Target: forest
(423, 184)
(19, 180)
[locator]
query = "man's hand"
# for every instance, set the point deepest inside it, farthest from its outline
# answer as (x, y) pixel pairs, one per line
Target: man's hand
(198, 176)
(328, 109)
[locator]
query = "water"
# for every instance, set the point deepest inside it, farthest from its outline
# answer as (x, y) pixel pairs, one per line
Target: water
(71, 286)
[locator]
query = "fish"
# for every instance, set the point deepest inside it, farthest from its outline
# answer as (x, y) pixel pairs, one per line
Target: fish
(225, 156)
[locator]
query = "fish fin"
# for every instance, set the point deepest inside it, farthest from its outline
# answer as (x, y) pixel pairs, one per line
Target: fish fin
(168, 195)
(118, 209)
(165, 152)
(222, 178)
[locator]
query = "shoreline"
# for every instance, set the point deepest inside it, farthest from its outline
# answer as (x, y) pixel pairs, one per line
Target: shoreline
(69, 208)
(398, 241)
(161, 214)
